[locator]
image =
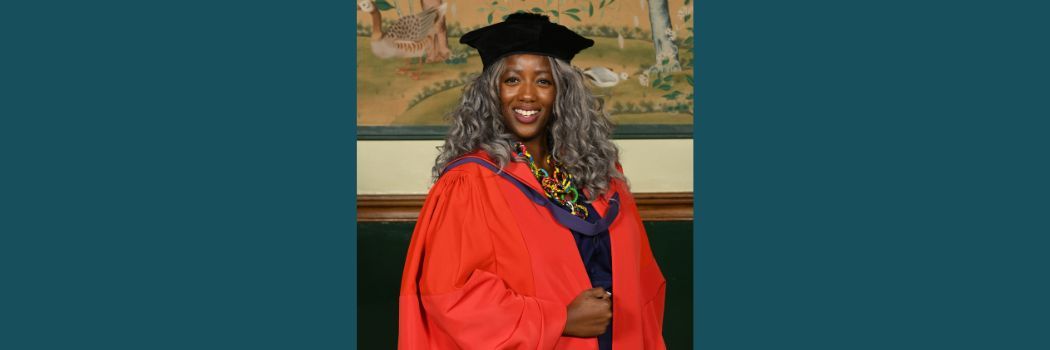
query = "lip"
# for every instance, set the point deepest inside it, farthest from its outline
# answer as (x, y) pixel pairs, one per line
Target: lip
(524, 119)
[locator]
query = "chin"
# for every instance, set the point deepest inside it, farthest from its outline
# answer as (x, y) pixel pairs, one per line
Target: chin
(526, 136)
(525, 132)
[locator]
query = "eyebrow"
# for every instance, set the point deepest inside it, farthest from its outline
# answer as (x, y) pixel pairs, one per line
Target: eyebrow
(515, 70)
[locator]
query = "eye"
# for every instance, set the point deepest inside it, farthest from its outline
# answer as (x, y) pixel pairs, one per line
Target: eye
(545, 82)
(511, 80)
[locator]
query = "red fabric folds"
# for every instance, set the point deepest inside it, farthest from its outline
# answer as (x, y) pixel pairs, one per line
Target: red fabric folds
(487, 269)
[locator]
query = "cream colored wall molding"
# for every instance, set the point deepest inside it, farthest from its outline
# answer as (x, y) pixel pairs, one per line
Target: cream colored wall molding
(403, 167)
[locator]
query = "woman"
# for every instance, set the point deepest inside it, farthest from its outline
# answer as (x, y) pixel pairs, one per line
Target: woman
(529, 239)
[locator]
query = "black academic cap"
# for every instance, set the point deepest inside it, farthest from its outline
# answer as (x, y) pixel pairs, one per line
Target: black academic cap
(525, 33)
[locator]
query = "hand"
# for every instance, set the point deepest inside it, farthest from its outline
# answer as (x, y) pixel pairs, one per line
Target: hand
(589, 314)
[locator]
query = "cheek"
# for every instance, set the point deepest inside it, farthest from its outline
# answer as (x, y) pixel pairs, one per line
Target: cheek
(549, 99)
(549, 95)
(505, 97)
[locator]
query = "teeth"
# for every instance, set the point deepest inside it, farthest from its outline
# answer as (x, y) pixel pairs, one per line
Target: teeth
(524, 112)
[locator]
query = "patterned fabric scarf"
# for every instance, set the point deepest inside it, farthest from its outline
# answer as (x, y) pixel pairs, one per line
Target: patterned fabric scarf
(559, 187)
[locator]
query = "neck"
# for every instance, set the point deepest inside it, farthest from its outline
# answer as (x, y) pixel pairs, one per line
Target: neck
(538, 149)
(377, 21)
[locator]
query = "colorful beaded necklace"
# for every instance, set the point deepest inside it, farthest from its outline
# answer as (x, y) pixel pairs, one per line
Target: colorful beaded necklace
(560, 187)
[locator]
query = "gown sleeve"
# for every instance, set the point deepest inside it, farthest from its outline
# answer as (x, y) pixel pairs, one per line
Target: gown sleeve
(652, 276)
(652, 282)
(452, 265)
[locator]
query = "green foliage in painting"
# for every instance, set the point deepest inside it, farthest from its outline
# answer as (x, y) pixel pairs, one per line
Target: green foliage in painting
(383, 5)
(672, 95)
(438, 87)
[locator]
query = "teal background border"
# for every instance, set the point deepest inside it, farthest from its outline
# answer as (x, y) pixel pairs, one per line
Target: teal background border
(177, 175)
(872, 175)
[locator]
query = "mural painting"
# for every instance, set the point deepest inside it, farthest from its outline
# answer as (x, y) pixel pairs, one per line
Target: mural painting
(411, 67)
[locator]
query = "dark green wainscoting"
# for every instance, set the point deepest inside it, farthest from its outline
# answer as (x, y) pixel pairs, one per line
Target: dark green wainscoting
(381, 256)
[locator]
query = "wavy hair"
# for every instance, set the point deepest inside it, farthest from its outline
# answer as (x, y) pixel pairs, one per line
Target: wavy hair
(579, 130)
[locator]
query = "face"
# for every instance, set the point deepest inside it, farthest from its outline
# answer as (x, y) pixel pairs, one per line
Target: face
(526, 93)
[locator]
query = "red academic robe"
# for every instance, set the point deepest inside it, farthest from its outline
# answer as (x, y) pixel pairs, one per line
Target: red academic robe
(489, 269)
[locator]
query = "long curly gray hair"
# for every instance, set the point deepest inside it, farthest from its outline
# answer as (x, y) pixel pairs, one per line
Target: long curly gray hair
(579, 130)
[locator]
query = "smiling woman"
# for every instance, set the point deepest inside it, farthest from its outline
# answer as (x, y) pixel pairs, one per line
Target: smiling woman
(530, 224)
(526, 95)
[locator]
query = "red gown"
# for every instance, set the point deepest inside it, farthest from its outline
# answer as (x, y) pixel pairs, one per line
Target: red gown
(489, 269)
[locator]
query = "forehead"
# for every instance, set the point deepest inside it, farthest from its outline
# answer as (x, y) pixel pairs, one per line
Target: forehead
(527, 62)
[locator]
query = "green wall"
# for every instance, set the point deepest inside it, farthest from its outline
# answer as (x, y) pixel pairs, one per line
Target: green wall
(381, 256)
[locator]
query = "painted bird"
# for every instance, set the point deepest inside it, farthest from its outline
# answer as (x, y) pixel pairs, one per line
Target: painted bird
(406, 38)
(604, 77)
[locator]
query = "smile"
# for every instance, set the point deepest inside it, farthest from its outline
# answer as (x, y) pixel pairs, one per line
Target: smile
(526, 113)
(526, 116)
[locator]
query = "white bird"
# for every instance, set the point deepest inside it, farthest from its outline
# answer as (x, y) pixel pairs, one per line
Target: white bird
(604, 77)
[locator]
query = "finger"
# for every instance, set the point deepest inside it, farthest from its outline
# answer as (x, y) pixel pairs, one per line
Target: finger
(597, 292)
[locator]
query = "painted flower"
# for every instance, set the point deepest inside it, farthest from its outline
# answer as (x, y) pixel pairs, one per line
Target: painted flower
(669, 32)
(623, 76)
(662, 55)
(665, 54)
(644, 79)
(366, 5)
(684, 11)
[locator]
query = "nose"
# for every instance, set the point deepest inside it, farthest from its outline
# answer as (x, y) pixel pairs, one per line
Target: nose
(528, 92)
